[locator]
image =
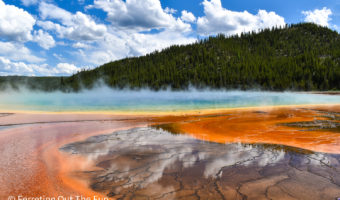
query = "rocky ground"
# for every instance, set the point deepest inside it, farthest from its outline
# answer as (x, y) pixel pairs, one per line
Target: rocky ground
(149, 163)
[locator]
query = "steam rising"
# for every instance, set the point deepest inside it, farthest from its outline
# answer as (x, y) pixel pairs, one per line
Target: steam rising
(107, 99)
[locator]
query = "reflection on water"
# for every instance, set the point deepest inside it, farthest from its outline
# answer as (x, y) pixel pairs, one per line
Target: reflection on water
(146, 163)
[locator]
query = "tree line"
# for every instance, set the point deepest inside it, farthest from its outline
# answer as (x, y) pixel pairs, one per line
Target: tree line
(295, 57)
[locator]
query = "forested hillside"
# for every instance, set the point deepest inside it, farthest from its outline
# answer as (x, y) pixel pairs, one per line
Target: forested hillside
(296, 57)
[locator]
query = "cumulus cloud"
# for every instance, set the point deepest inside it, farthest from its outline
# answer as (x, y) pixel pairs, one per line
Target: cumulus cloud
(65, 68)
(141, 44)
(188, 16)
(44, 39)
(8, 67)
(141, 15)
(318, 16)
(97, 44)
(119, 44)
(18, 52)
(125, 37)
(15, 23)
(76, 26)
(220, 20)
(128, 33)
(51, 11)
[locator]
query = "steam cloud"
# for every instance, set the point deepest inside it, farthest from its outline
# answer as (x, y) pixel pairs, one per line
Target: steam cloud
(104, 98)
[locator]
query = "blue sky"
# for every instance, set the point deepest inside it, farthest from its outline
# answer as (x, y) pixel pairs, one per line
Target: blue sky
(60, 37)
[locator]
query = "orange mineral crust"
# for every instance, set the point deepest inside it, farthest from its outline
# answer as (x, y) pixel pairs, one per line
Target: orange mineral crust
(265, 126)
(32, 164)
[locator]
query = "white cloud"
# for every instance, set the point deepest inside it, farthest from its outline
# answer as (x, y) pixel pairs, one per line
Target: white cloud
(170, 10)
(15, 23)
(18, 52)
(81, 45)
(220, 20)
(51, 11)
(29, 2)
(48, 25)
(65, 68)
(76, 26)
(98, 56)
(188, 16)
(140, 15)
(44, 39)
(19, 68)
(8, 67)
(115, 42)
(142, 44)
(317, 16)
(120, 44)
(97, 44)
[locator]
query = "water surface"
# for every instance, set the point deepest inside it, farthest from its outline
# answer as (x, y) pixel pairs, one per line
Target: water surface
(105, 99)
(146, 163)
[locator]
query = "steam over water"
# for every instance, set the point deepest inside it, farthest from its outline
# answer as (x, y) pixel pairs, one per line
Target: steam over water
(105, 99)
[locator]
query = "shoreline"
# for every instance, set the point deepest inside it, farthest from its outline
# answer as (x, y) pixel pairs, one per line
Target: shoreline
(323, 92)
(165, 113)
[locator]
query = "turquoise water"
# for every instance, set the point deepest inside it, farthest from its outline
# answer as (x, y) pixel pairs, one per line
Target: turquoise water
(105, 99)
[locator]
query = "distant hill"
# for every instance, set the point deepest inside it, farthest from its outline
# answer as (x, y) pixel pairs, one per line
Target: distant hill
(297, 57)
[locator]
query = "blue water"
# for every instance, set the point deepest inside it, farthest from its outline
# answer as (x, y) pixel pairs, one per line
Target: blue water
(105, 99)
